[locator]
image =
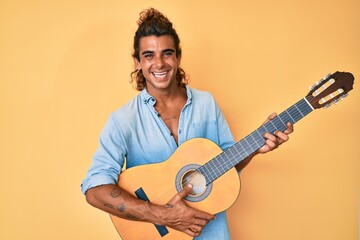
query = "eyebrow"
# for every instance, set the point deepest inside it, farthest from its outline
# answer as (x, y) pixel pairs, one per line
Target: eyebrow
(168, 50)
(165, 50)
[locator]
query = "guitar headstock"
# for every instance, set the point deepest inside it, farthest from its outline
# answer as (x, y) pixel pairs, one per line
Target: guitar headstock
(330, 89)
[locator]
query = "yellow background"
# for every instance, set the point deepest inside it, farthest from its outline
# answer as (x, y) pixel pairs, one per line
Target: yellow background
(65, 65)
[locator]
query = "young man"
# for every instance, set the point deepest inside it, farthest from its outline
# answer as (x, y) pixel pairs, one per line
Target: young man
(150, 127)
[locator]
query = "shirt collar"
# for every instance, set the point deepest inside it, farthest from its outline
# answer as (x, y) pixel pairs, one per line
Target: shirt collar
(147, 98)
(189, 95)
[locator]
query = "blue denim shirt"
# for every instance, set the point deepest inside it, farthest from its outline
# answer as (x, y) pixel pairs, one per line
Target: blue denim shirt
(136, 132)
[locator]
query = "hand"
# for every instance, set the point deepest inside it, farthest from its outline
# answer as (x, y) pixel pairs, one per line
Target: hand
(273, 141)
(183, 218)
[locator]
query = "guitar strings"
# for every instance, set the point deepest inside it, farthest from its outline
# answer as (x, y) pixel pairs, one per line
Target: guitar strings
(167, 195)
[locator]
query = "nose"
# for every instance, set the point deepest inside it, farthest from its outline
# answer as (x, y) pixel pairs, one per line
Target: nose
(159, 61)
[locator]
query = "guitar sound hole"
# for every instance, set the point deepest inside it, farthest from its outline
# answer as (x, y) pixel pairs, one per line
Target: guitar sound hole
(188, 174)
(197, 180)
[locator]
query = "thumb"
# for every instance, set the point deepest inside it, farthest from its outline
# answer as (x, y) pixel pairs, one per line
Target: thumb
(180, 195)
(186, 190)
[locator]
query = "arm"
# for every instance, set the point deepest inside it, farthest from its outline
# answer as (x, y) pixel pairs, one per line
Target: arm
(101, 192)
(175, 214)
(112, 199)
(272, 142)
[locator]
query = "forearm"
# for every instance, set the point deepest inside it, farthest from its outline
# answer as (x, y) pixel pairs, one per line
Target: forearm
(116, 201)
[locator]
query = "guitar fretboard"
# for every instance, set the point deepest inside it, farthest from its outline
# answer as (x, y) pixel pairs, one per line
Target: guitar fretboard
(252, 142)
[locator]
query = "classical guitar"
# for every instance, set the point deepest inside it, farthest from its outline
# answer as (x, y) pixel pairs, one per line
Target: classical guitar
(201, 162)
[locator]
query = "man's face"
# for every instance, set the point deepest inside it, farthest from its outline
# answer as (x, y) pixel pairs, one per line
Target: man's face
(158, 62)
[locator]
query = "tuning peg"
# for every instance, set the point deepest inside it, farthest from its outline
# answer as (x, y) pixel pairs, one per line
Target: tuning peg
(344, 95)
(327, 105)
(336, 100)
(315, 85)
(326, 77)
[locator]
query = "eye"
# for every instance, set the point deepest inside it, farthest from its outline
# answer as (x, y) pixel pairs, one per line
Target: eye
(168, 53)
(148, 55)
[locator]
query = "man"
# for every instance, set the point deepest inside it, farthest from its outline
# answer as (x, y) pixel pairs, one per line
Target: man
(151, 126)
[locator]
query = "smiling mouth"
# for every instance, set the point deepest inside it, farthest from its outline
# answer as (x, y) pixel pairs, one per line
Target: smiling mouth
(159, 74)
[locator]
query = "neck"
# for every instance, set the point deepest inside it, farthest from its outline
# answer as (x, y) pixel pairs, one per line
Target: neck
(167, 96)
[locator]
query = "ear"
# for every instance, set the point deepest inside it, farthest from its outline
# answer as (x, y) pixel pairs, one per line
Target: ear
(137, 64)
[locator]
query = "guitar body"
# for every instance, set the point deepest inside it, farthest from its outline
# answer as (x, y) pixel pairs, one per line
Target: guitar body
(161, 181)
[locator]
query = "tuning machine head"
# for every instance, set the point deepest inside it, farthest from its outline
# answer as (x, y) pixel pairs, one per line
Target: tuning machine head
(320, 82)
(330, 89)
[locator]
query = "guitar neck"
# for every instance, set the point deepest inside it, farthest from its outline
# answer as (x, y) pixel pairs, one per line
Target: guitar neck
(252, 142)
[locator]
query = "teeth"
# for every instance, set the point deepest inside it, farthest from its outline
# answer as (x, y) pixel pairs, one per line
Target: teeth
(158, 75)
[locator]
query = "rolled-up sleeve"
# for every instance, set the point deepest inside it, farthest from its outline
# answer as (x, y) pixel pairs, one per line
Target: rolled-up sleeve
(108, 160)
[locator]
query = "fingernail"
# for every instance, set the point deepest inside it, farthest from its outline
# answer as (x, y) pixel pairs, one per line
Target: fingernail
(190, 185)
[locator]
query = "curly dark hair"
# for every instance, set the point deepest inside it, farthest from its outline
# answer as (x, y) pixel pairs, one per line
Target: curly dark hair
(154, 23)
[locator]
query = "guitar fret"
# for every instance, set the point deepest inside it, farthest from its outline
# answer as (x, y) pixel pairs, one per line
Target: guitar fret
(282, 121)
(221, 171)
(246, 150)
(249, 141)
(257, 131)
(237, 155)
(240, 146)
(209, 170)
(216, 170)
(284, 116)
(299, 110)
(279, 124)
(212, 166)
(204, 172)
(243, 142)
(273, 125)
(293, 121)
(295, 113)
(229, 163)
(262, 130)
(269, 126)
(206, 169)
(231, 151)
(254, 140)
(261, 139)
(234, 156)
